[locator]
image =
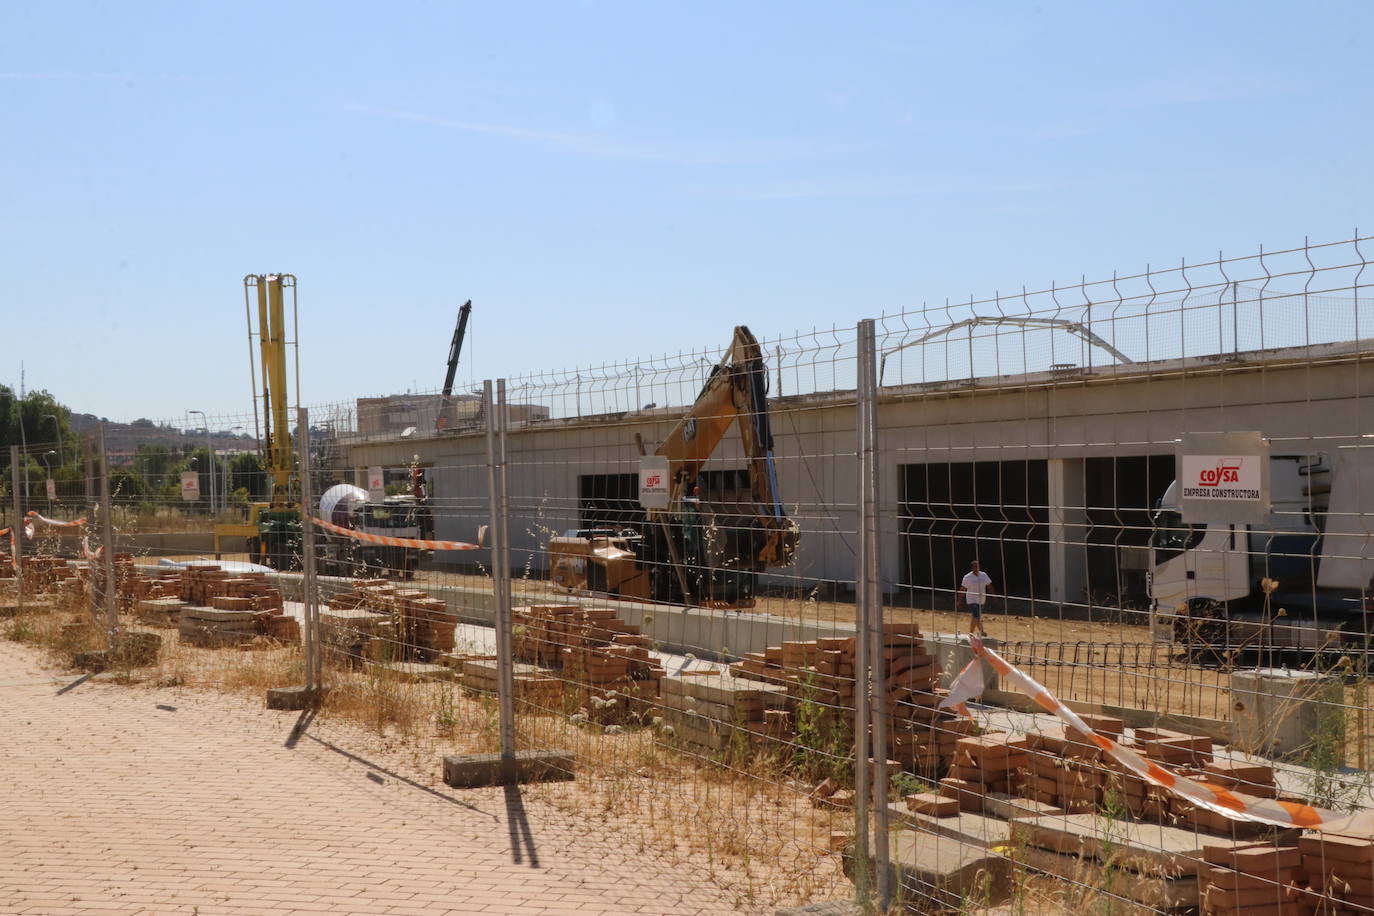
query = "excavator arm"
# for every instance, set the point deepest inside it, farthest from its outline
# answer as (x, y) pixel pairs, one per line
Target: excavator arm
(735, 392)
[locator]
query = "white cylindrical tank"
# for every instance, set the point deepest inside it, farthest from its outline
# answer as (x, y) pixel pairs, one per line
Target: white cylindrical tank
(337, 503)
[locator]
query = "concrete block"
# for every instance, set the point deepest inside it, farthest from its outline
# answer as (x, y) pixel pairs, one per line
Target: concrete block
(952, 653)
(1277, 711)
(10, 606)
(293, 697)
(937, 874)
(467, 771)
(829, 908)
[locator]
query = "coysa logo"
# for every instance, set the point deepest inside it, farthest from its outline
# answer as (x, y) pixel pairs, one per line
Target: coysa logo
(1222, 473)
(1221, 477)
(653, 482)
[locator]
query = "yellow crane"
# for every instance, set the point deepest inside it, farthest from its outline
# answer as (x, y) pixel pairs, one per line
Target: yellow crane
(273, 528)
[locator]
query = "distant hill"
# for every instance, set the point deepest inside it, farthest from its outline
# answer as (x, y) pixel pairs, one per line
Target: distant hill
(127, 437)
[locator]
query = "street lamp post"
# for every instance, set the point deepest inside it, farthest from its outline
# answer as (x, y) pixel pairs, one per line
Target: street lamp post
(224, 490)
(48, 485)
(210, 449)
(57, 433)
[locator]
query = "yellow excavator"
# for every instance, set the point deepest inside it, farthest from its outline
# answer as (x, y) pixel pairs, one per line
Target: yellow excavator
(705, 548)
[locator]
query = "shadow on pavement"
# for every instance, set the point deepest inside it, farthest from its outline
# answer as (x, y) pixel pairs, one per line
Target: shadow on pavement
(74, 684)
(298, 731)
(519, 824)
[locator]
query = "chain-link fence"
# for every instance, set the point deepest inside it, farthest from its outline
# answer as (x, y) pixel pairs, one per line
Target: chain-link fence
(731, 593)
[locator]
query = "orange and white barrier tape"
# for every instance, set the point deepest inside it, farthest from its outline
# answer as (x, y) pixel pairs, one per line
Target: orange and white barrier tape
(1234, 805)
(414, 543)
(88, 552)
(967, 685)
(55, 523)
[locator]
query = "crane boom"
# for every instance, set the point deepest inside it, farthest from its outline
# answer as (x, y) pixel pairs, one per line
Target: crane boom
(275, 526)
(455, 348)
(272, 340)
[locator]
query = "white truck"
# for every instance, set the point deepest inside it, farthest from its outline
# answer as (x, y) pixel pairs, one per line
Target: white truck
(1316, 549)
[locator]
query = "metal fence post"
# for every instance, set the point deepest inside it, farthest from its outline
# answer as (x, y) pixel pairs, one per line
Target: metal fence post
(863, 695)
(17, 525)
(107, 545)
(870, 594)
(500, 560)
(309, 630)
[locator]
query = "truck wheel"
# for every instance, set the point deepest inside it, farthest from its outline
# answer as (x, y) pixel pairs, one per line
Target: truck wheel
(1204, 632)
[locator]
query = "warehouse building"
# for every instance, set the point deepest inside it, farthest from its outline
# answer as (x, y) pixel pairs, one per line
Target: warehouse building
(1048, 478)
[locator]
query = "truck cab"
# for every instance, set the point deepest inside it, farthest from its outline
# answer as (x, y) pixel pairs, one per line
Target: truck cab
(1215, 570)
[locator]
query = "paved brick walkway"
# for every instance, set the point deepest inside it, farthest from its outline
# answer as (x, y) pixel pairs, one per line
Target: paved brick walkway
(119, 800)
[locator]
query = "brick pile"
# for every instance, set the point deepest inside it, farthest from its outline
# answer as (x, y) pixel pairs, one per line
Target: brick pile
(538, 631)
(983, 765)
(1254, 880)
(534, 686)
(595, 650)
(427, 627)
(714, 710)
(1066, 770)
(44, 573)
(1061, 770)
(1340, 873)
(201, 584)
(820, 673)
(423, 627)
(1319, 874)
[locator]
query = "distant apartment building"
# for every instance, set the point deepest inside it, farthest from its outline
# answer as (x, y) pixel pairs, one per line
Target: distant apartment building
(418, 415)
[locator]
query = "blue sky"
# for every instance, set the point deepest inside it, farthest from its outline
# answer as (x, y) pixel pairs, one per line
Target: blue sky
(613, 180)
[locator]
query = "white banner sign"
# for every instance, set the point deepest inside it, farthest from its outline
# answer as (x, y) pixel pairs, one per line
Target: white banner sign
(52, 489)
(1223, 478)
(653, 483)
(190, 486)
(376, 484)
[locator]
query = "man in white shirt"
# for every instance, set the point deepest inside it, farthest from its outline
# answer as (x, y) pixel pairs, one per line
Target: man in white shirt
(973, 592)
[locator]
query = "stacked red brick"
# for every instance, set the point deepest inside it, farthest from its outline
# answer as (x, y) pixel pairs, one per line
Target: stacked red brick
(44, 573)
(1340, 872)
(717, 711)
(606, 654)
(820, 674)
(1067, 770)
(228, 609)
(427, 626)
(595, 649)
(538, 631)
(1256, 880)
(424, 627)
(983, 765)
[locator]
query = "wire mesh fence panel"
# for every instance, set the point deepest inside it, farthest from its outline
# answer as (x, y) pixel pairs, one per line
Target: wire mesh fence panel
(689, 580)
